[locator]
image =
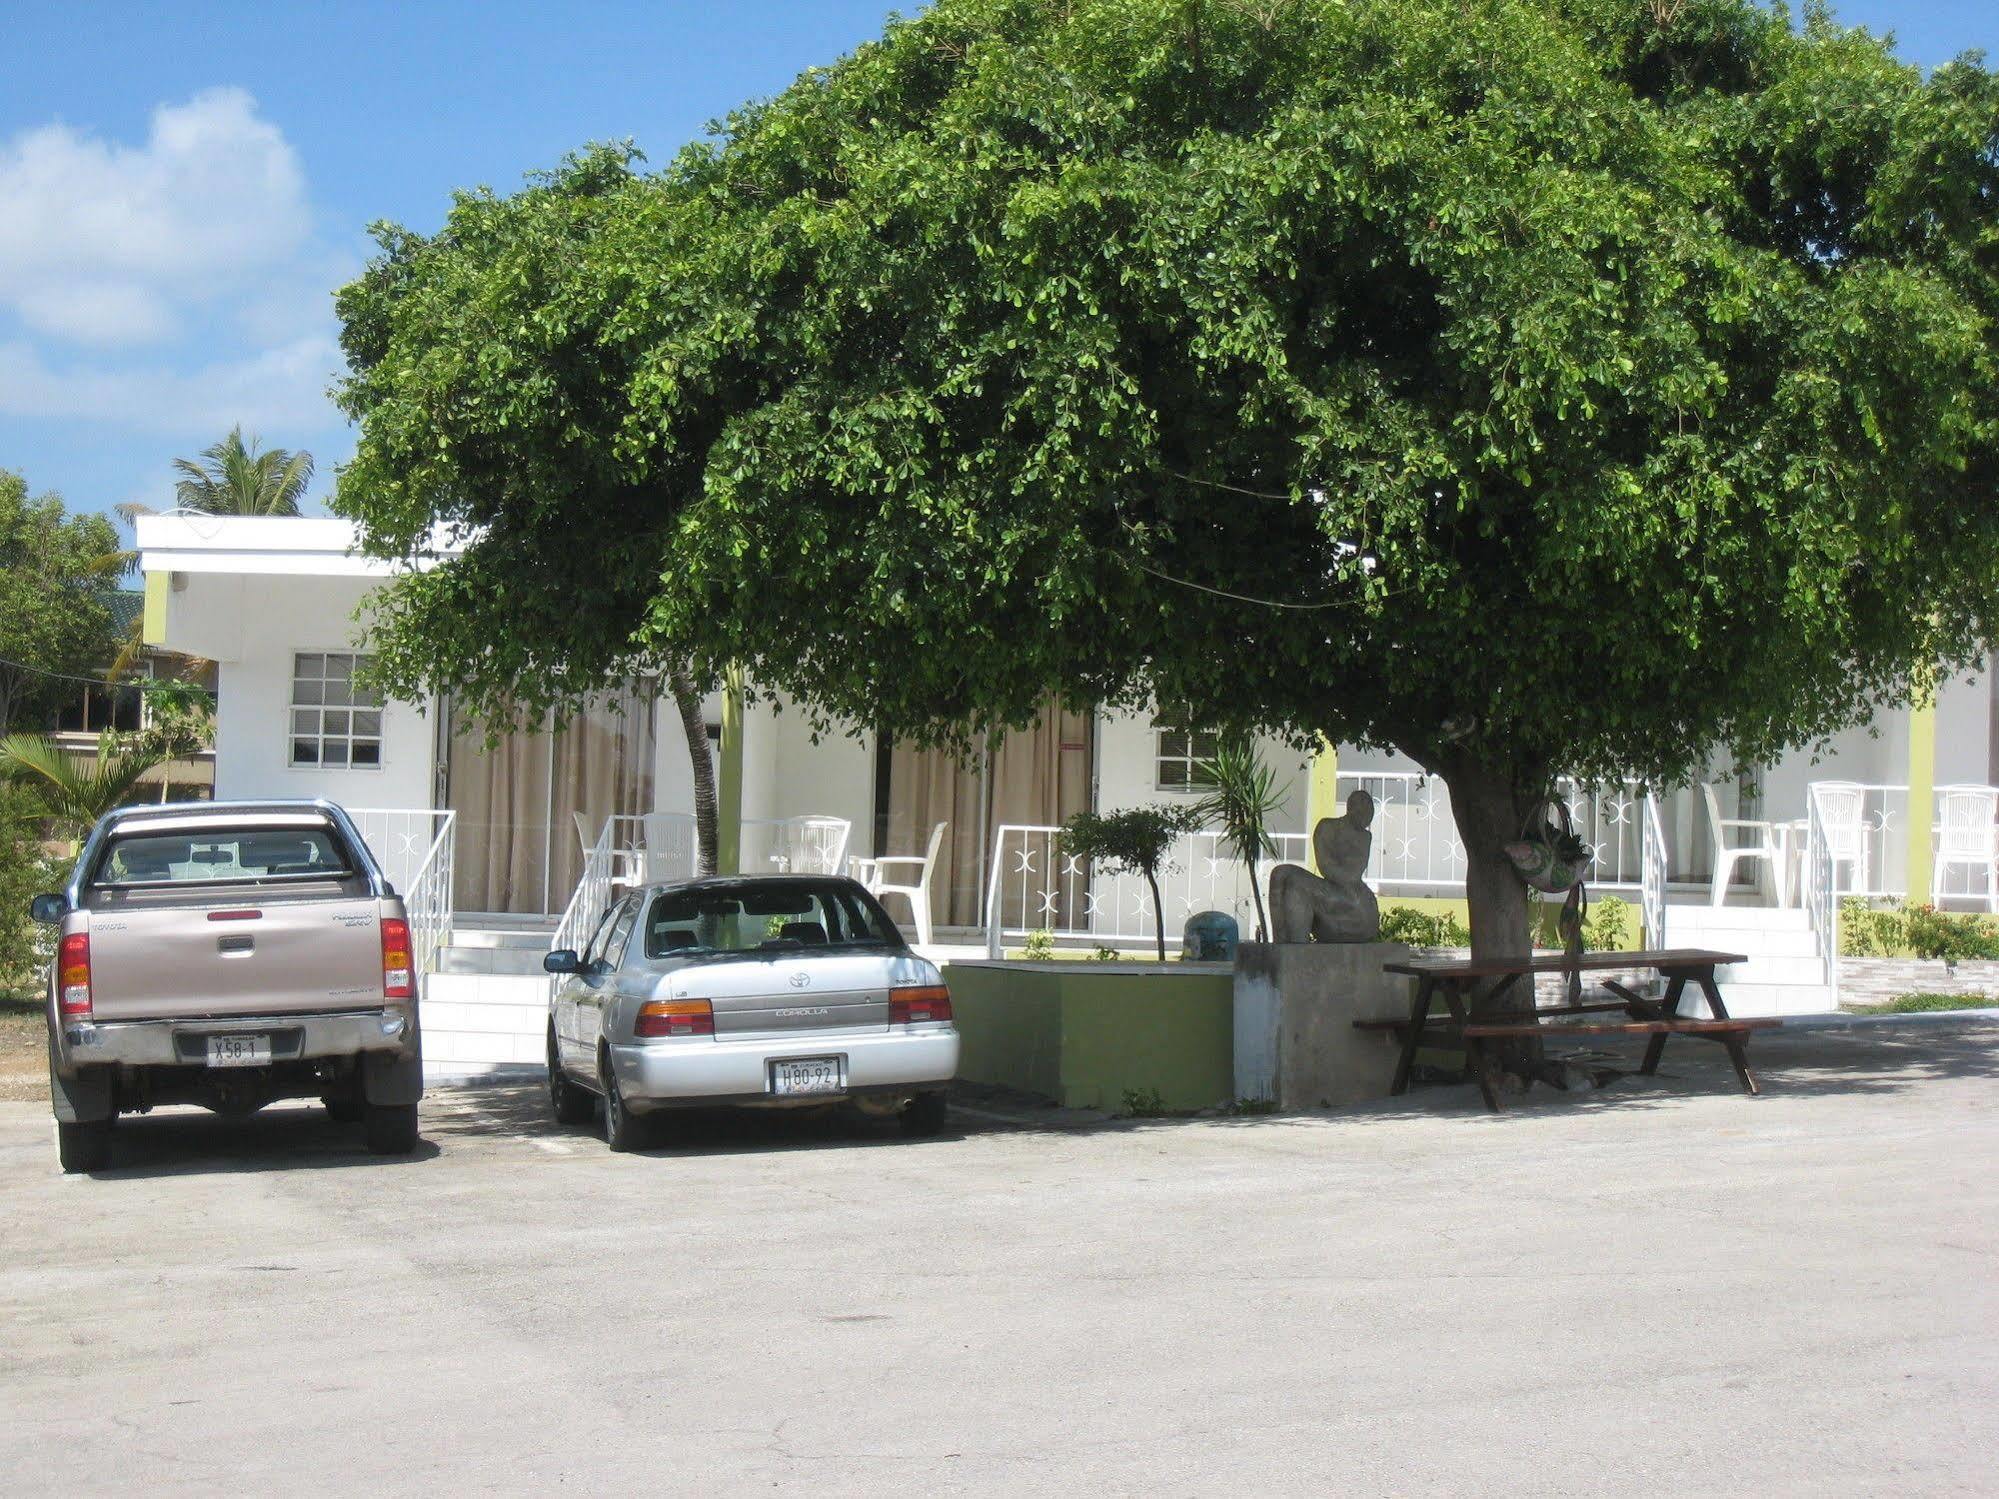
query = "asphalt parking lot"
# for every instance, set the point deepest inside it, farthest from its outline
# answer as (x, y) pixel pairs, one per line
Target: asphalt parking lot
(1656, 1289)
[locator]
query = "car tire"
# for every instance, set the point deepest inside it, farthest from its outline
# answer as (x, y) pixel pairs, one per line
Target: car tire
(569, 1103)
(83, 1147)
(923, 1116)
(391, 1128)
(621, 1127)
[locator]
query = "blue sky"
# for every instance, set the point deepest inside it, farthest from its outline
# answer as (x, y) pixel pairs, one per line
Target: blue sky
(182, 185)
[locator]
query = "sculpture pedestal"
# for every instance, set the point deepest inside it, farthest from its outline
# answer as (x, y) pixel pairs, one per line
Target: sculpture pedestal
(1295, 1005)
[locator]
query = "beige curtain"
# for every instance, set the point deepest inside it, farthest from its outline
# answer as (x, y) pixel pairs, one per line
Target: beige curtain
(518, 849)
(1038, 776)
(501, 797)
(927, 787)
(603, 763)
(1041, 777)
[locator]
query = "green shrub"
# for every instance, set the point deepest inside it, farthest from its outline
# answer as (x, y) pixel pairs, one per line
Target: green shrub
(1423, 929)
(1040, 946)
(1916, 931)
(25, 872)
(1607, 928)
(1144, 1103)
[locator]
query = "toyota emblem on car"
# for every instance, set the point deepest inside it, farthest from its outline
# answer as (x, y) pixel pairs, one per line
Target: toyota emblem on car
(800, 980)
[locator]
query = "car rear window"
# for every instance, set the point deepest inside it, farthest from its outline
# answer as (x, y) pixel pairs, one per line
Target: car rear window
(775, 916)
(222, 857)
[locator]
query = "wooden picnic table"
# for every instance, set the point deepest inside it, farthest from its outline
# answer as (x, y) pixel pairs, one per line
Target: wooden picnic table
(1456, 982)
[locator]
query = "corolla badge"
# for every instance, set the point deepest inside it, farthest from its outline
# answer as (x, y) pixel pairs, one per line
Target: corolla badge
(800, 980)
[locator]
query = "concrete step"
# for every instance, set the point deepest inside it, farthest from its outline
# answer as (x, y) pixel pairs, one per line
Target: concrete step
(530, 937)
(503, 960)
(1762, 969)
(1751, 1001)
(1737, 919)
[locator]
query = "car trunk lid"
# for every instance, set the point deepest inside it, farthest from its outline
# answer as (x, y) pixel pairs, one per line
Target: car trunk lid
(791, 990)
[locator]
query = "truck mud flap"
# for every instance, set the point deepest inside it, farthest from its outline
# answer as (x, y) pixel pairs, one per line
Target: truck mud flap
(392, 1077)
(82, 1098)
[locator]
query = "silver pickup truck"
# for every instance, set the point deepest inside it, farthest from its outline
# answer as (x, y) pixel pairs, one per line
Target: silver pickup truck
(229, 954)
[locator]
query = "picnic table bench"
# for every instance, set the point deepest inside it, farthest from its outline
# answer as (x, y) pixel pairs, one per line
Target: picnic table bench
(1456, 982)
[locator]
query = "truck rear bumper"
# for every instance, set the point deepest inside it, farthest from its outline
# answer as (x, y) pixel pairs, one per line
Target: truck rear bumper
(184, 1043)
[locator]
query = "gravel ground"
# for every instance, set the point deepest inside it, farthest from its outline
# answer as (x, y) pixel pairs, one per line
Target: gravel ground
(24, 1057)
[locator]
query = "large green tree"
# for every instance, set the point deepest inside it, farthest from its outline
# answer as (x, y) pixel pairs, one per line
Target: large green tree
(233, 478)
(57, 574)
(1537, 386)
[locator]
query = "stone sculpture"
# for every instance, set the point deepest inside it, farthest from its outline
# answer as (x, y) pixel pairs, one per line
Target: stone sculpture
(1335, 905)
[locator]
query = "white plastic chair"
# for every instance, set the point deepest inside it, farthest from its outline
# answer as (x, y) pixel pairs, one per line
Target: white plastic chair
(1765, 846)
(812, 845)
(918, 894)
(1843, 814)
(669, 848)
(1968, 835)
(624, 861)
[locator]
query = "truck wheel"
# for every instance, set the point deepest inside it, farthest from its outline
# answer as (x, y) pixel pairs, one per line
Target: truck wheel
(83, 1147)
(924, 1115)
(391, 1128)
(569, 1103)
(343, 1108)
(621, 1129)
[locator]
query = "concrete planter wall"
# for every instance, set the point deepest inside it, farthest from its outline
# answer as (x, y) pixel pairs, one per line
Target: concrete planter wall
(1875, 981)
(1086, 1034)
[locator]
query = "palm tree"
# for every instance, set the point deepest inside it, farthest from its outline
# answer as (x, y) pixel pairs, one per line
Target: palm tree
(232, 479)
(73, 790)
(1245, 797)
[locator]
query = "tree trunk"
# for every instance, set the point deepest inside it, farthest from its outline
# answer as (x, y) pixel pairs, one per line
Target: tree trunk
(1256, 894)
(1158, 914)
(707, 834)
(1490, 812)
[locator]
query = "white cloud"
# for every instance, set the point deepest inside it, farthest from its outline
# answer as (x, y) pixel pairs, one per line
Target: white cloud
(278, 392)
(104, 243)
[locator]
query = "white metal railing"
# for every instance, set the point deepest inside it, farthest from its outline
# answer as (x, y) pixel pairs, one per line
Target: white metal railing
(592, 896)
(1821, 891)
(416, 848)
(1655, 867)
(1417, 848)
(1033, 885)
(1866, 827)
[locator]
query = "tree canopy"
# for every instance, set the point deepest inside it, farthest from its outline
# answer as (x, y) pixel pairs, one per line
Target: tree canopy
(1594, 386)
(232, 478)
(57, 574)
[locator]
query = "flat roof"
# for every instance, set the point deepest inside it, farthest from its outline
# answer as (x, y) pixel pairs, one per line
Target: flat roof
(289, 545)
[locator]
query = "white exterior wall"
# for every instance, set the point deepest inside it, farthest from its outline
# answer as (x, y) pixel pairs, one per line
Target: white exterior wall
(833, 778)
(1127, 770)
(251, 626)
(1964, 731)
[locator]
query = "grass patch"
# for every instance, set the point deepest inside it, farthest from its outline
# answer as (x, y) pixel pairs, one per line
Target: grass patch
(1917, 1004)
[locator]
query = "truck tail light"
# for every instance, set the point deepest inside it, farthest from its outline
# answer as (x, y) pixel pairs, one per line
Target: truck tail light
(675, 1017)
(917, 1003)
(398, 971)
(73, 976)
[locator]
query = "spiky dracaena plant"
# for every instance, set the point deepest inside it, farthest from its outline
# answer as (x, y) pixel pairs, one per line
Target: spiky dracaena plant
(1246, 795)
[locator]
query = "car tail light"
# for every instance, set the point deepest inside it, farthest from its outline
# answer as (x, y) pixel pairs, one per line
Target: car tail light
(675, 1017)
(398, 972)
(918, 1003)
(73, 975)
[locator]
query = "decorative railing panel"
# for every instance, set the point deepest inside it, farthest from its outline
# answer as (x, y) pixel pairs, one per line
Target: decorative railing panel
(416, 849)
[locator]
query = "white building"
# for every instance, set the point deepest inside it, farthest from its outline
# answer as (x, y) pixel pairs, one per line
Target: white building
(276, 603)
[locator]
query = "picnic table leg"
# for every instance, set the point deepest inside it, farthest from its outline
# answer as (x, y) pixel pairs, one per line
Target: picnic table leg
(1478, 1060)
(1676, 985)
(1737, 1046)
(1419, 1012)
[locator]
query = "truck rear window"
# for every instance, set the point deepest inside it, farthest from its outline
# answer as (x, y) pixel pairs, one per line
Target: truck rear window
(222, 857)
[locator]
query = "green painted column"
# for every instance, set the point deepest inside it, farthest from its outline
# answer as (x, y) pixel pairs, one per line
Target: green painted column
(1922, 799)
(729, 791)
(1322, 793)
(153, 624)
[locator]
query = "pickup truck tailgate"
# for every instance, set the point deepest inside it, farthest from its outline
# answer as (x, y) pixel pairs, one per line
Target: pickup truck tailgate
(290, 957)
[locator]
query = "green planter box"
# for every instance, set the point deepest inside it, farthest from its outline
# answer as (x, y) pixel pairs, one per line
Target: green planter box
(1086, 1034)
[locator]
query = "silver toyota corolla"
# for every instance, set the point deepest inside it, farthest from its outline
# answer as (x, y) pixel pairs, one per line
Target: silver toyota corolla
(772, 991)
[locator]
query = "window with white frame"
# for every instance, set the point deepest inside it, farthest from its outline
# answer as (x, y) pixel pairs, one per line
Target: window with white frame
(334, 720)
(1181, 752)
